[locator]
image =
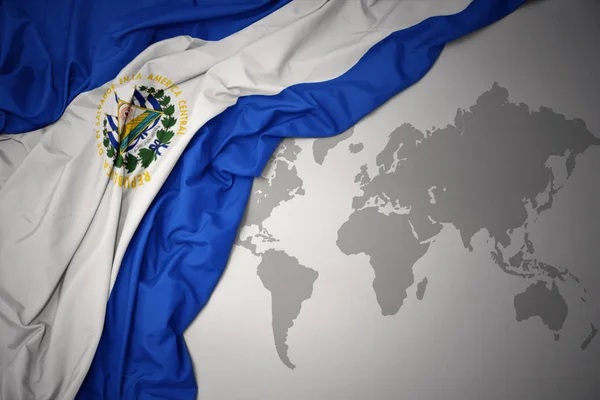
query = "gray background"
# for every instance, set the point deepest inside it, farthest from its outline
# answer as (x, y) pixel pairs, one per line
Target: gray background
(447, 246)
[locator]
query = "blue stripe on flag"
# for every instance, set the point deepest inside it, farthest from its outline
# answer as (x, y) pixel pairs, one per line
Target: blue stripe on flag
(154, 103)
(139, 97)
(182, 245)
(114, 124)
(114, 131)
(39, 80)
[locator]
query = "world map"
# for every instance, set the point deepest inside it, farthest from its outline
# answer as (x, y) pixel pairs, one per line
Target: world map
(496, 169)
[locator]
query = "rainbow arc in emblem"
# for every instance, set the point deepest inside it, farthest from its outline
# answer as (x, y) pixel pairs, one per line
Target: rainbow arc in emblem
(133, 121)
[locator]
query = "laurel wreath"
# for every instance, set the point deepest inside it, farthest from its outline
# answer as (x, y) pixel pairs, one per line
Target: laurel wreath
(146, 155)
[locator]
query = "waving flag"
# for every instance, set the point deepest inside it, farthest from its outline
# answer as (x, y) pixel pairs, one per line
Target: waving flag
(111, 167)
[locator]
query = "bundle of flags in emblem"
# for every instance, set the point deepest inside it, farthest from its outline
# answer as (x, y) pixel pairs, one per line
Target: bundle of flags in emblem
(131, 135)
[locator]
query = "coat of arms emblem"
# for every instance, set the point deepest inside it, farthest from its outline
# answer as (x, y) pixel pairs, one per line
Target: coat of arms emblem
(140, 128)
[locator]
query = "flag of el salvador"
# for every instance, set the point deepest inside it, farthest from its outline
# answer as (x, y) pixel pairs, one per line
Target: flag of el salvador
(118, 218)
